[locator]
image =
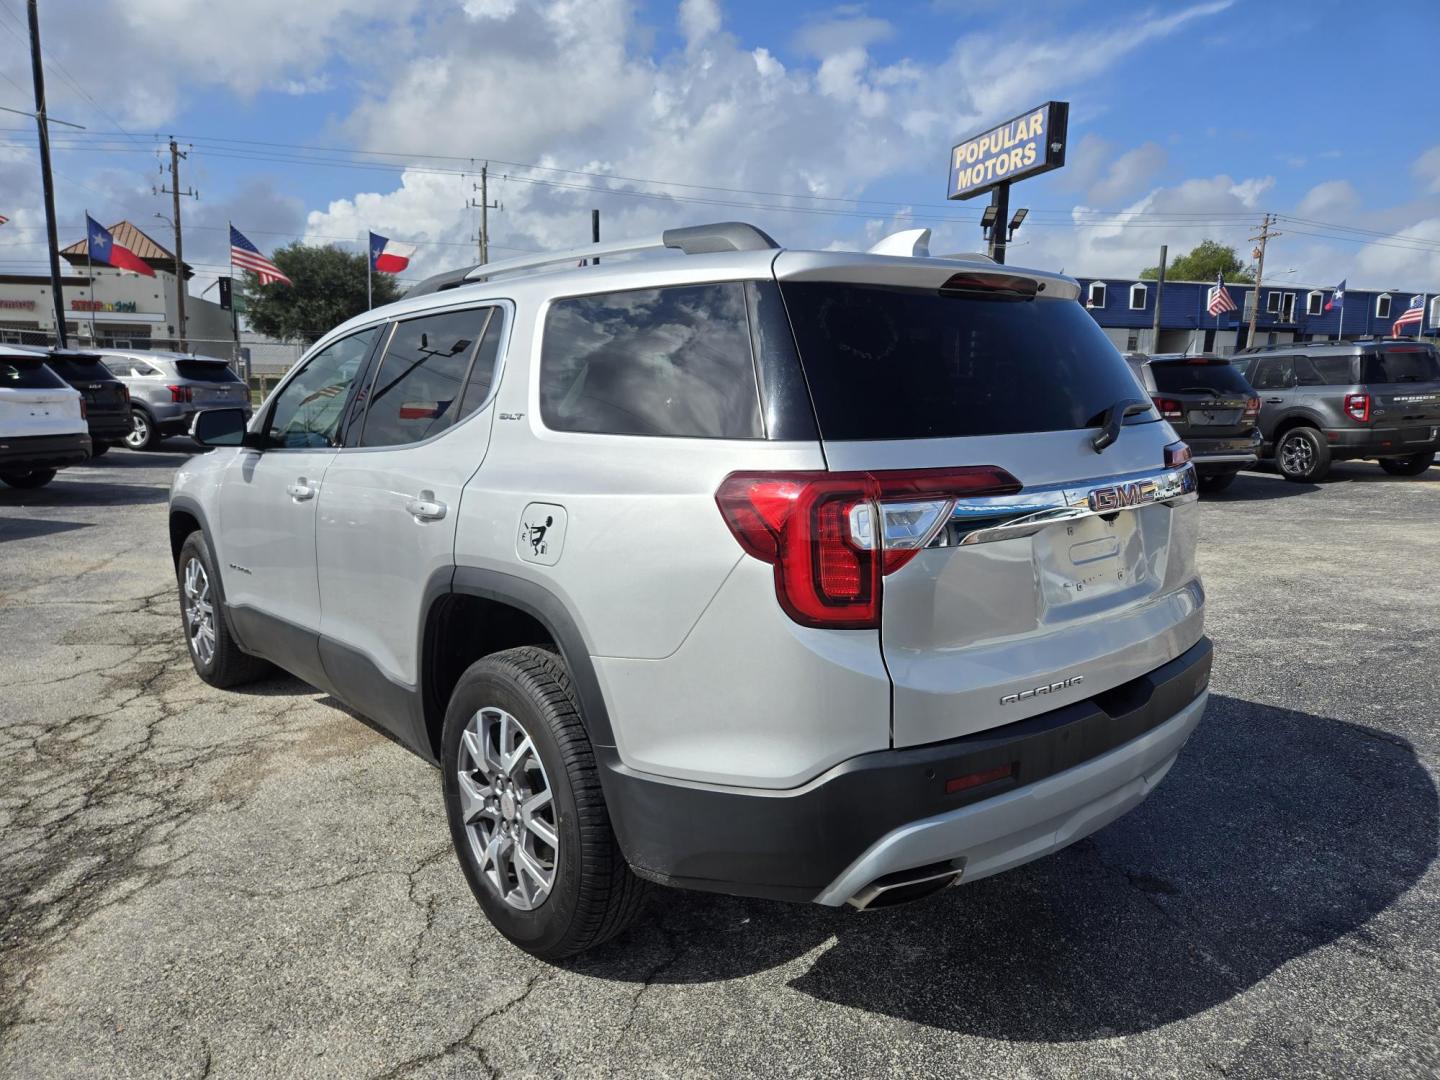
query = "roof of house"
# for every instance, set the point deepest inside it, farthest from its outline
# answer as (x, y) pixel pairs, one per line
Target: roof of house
(128, 236)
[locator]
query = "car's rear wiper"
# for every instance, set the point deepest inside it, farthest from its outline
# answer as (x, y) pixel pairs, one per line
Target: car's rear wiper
(1113, 417)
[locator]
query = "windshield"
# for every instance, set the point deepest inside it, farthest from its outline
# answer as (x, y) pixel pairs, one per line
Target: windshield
(1198, 376)
(1401, 364)
(892, 363)
(205, 371)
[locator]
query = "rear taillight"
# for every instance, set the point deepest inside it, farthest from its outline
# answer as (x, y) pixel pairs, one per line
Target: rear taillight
(831, 537)
(181, 393)
(125, 393)
(1252, 408)
(1169, 408)
(1357, 407)
(1176, 454)
(84, 412)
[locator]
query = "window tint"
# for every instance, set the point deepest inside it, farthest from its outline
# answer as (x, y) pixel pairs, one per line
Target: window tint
(887, 363)
(80, 368)
(1323, 371)
(18, 374)
(416, 393)
(205, 371)
(1273, 373)
(1404, 363)
(1182, 376)
(482, 371)
(673, 361)
(308, 410)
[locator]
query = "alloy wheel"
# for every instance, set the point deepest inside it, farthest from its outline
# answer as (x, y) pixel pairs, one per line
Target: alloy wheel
(139, 434)
(199, 612)
(1297, 457)
(508, 808)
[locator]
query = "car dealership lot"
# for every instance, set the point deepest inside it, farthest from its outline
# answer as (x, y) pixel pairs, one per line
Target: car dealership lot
(256, 883)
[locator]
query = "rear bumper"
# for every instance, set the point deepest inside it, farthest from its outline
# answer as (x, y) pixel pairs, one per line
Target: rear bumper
(1074, 769)
(1211, 456)
(1378, 442)
(179, 423)
(109, 427)
(44, 451)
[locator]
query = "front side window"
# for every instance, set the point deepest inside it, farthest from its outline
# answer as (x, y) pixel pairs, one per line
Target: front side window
(668, 362)
(1274, 373)
(307, 411)
(417, 391)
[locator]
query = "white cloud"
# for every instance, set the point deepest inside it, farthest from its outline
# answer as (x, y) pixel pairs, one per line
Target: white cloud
(839, 33)
(1427, 169)
(1331, 197)
(699, 19)
(1249, 191)
(1129, 172)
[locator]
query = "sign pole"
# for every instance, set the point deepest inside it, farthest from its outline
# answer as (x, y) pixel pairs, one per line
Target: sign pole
(90, 272)
(369, 259)
(1000, 200)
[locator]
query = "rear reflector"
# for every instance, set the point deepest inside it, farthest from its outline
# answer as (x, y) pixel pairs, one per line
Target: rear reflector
(832, 536)
(975, 779)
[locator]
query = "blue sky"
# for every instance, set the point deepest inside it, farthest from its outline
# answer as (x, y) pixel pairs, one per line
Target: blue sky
(827, 125)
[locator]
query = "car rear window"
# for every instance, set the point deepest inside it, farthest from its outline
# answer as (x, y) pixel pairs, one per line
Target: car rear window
(1400, 364)
(18, 373)
(80, 368)
(205, 371)
(893, 363)
(1182, 376)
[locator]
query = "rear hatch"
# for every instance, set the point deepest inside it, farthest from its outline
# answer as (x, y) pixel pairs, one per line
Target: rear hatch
(1403, 382)
(36, 401)
(212, 383)
(1205, 398)
(1069, 572)
(104, 394)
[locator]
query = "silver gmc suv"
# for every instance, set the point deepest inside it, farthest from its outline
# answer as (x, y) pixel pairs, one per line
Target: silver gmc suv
(823, 576)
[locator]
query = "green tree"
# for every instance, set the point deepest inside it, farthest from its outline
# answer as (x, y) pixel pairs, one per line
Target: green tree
(329, 287)
(1202, 263)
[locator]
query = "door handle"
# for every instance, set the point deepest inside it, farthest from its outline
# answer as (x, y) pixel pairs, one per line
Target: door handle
(300, 490)
(1275, 400)
(425, 507)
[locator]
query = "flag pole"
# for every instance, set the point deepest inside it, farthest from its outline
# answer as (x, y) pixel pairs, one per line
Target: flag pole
(369, 295)
(1340, 335)
(90, 268)
(1420, 326)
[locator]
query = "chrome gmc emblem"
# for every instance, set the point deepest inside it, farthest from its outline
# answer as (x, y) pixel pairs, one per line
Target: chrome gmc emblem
(1119, 496)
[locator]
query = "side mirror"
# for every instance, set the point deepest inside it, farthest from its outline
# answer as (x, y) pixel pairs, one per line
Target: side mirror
(219, 427)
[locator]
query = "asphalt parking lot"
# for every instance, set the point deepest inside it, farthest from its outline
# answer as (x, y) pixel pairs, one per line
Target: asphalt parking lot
(199, 883)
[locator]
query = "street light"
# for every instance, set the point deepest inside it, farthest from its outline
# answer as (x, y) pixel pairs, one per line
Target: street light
(987, 219)
(1016, 219)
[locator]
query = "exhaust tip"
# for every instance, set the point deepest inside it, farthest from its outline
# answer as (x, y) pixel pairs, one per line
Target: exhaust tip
(904, 886)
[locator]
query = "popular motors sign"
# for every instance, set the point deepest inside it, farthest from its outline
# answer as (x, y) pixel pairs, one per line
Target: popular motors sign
(1030, 144)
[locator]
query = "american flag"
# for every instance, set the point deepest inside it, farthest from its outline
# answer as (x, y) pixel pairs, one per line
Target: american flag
(245, 254)
(1413, 316)
(1220, 299)
(3, 219)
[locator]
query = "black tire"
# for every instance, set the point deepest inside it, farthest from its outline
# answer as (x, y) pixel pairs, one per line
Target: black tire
(1216, 482)
(99, 449)
(227, 665)
(594, 894)
(30, 478)
(1413, 465)
(1302, 455)
(143, 435)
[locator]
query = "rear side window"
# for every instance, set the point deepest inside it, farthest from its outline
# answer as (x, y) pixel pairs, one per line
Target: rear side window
(889, 363)
(1401, 364)
(1324, 371)
(17, 374)
(200, 371)
(1183, 376)
(417, 391)
(669, 362)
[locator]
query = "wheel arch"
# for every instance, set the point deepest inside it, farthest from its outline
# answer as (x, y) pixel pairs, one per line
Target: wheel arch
(1294, 420)
(485, 611)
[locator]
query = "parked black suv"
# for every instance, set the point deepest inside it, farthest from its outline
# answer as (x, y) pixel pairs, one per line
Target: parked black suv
(1337, 401)
(107, 399)
(1210, 405)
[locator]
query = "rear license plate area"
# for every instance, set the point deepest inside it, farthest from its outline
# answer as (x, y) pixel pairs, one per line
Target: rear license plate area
(1214, 417)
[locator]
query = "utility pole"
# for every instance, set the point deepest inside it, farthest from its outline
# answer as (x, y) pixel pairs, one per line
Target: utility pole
(174, 192)
(47, 182)
(1266, 235)
(485, 206)
(1159, 296)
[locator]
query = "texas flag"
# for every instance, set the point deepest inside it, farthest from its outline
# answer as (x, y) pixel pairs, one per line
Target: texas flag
(388, 256)
(103, 249)
(1337, 299)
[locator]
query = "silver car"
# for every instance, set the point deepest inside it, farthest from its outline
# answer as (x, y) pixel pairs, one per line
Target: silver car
(167, 389)
(823, 576)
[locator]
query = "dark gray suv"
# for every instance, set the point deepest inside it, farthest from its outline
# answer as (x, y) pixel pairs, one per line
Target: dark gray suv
(1210, 406)
(1338, 401)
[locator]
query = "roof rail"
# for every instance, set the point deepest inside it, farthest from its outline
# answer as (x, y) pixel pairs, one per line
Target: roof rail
(693, 240)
